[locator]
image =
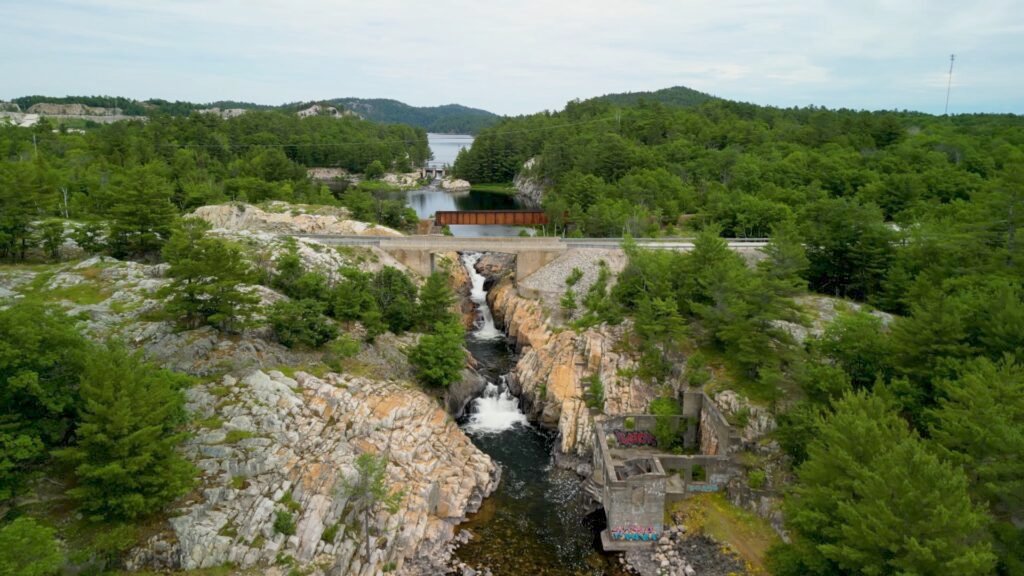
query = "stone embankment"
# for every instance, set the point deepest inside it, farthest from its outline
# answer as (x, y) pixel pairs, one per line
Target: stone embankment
(269, 446)
(554, 365)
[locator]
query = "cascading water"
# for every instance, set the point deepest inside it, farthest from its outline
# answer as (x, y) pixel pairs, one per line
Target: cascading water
(534, 522)
(496, 410)
(485, 328)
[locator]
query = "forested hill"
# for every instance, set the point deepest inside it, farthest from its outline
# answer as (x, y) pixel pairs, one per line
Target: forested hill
(447, 119)
(674, 96)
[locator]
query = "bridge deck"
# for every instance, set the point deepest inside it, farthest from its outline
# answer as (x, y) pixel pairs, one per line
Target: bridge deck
(492, 217)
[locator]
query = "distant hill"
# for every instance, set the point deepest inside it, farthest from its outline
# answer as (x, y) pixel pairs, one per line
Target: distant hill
(674, 96)
(450, 118)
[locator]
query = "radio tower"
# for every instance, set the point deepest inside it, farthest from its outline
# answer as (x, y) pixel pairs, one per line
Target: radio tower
(949, 83)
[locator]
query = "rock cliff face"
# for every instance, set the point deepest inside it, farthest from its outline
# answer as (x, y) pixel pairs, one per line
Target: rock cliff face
(269, 444)
(553, 366)
(529, 189)
(290, 220)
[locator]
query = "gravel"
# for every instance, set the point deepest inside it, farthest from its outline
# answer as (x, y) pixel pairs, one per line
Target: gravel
(549, 281)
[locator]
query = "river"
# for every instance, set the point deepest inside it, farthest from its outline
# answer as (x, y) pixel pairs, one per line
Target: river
(534, 523)
(431, 199)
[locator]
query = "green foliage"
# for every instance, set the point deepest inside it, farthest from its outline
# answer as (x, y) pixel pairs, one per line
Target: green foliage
(664, 409)
(979, 425)
(568, 302)
(595, 387)
(447, 119)
(340, 350)
(125, 461)
(574, 277)
(331, 532)
(396, 298)
(857, 343)
(367, 489)
(301, 323)
(29, 549)
(847, 518)
(435, 302)
(284, 523)
(41, 357)
(51, 233)
(439, 357)
(756, 479)
(374, 170)
(206, 273)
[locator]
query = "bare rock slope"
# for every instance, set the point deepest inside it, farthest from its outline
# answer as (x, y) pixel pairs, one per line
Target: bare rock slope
(269, 445)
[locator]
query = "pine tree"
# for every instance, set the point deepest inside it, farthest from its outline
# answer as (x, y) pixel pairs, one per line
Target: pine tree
(396, 297)
(143, 215)
(439, 356)
(126, 460)
(873, 499)
(207, 272)
(436, 301)
(368, 490)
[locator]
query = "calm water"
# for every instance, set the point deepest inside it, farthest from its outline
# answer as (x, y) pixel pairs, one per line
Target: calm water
(427, 201)
(534, 522)
(446, 146)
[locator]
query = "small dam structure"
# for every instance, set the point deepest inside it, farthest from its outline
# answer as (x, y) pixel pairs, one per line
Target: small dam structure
(634, 479)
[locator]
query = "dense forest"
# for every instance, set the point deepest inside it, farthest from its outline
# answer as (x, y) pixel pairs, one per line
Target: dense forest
(133, 176)
(907, 431)
(674, 96)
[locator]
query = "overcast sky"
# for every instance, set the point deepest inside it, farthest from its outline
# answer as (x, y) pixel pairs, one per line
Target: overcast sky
(514, 57)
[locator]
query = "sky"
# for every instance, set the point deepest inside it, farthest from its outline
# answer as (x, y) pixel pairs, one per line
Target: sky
(519, 57)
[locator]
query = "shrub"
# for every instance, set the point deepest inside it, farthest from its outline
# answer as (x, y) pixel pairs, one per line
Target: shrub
(756, 479)
(664, 409)
(28, 548)
(596, 399)
(574, 277)
(301, 322)
(284, 523)
(331, 533)
(439, 357)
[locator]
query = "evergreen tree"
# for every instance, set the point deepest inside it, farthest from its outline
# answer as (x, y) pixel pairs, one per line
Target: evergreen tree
(207, 272)
(857, 343)
(143, 215)
(979, 425)
(439, 357)
(368, 490)
(872, 499)
(126, 460)
(41, 355)
(396, 298)
(29, 549)
(301, 322)
(436, 301)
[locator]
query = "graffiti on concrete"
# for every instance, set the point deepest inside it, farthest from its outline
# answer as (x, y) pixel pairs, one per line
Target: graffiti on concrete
(635, 438)
(702, 488)
(634, 532)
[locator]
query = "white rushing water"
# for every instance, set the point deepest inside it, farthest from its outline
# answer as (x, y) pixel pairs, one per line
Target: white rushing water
(485, 328)
(496, 410)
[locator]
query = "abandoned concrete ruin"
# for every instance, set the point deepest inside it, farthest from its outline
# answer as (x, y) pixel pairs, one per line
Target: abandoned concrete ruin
(634, 479)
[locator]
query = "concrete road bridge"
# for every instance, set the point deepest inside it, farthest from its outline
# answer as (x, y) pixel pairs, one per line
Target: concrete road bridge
(417, 252)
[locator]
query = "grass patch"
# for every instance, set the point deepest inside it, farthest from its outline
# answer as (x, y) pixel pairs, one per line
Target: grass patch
(749, 535)
(211, 423)
(497, 188)
(289, 502)
(239, 482)
(219, 391)
(234, 436)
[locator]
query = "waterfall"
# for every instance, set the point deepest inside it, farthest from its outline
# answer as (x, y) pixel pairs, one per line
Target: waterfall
(485, 328)
(496, 409)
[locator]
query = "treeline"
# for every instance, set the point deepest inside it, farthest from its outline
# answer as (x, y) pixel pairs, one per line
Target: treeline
(888, 204)
(132, 107)
(136, 176)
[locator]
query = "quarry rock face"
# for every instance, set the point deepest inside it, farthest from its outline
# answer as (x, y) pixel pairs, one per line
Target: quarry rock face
(268, 445)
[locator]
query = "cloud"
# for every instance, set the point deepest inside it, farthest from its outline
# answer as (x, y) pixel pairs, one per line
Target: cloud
(520, 56)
